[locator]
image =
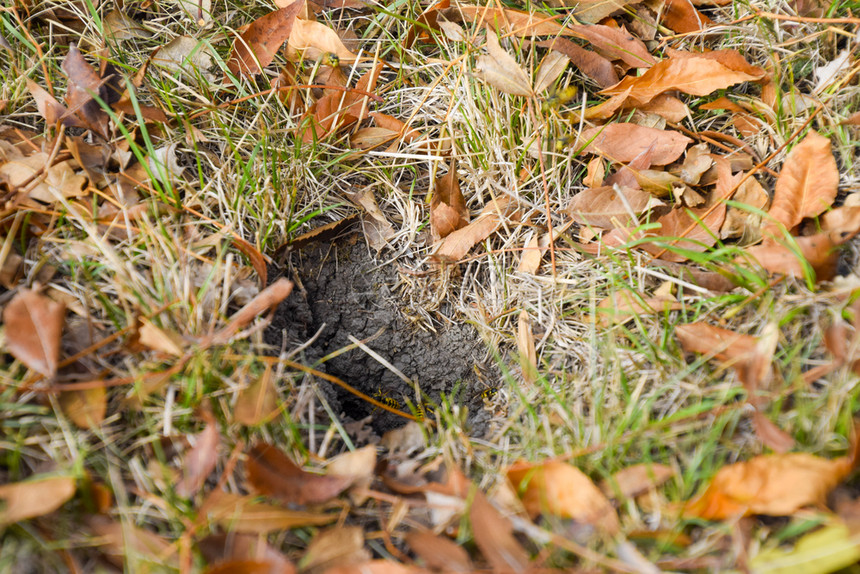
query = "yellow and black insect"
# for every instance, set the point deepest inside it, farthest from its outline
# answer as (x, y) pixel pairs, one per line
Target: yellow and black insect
(422, 410)
(559, 97)
(386, 399)
(490, 392)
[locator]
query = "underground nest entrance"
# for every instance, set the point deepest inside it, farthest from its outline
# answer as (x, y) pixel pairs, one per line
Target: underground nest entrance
(343, 294)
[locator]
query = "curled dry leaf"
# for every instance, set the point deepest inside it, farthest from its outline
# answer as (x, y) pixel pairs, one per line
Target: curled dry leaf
(256, 47)
(448, 211)
(682, 17)
(616, 44)
(200, 461)
(818, 251)
(457, 244)
(523, 24)
(32, 498)
(806, 186)
(494, 536)
(623, 142)
(742, 223)
(590, 63)
(34, 327)
(84, 84)
(562, 490)
(776, 485)
(500, 70)
(609, 206)
(49, 108)
(439, 553)
(338, 546)
(623, 306)
(636, 480)
(241, 514)
(272, 473)
(310, 40)
(697, 75)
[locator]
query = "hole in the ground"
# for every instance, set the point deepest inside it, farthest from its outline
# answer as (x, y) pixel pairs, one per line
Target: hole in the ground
(343, 290)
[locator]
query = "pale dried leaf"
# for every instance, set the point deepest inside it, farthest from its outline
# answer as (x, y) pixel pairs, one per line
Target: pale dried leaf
(551, 67)
(526, 348)
(86, 408)
(457, 244)
(241, 514)
(258, 402)
(35, 497)
(623, 306)
(500, 69)
(34, 327)
(200, 461)
(636, 480)
(310, 40)
(157, 339)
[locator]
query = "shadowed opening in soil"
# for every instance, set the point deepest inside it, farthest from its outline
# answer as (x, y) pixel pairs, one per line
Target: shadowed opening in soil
(341, 292)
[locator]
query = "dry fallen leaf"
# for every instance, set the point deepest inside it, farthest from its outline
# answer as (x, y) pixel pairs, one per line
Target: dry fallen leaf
(200, 461)
(439, 553)
(338, 546)
(495, 537)
(776, 485)
(35, 497)
(86, 408)
(272, 473)
(457, 244)
(241, 514)
(358, 465)
(593, 11)
(624, 142)
(745, 224)
(523, 24)
(806, 186)
(636, 480)
(256, 47)
(335, 111)
(682, 17)
(34, 325)
(236, 553)
(723, 344)
(258, 402)
(608, 206)
(616, 44)
(590, 63)
(129, 545)
(623, 306)
(696, 75)
(49, 108)
(526, 348)
(818, 251)
(84, 84)
(448, 211)
(157, 339)
(500, 70)
(310, 40)
(562, 490)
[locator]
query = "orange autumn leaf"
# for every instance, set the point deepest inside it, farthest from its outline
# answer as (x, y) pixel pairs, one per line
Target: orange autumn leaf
(608, 206)
(807, 184)
(696, 75)
(775, 485)
(34, 326)
(523, 24)
(256, 47)
(448, 211)
(590, 63)
(457, 244)
(35, 497)
(310, 39)
(624, 142)
(562, 490)
(682, 17)
(818, 251)
(636, 480)
(272, 473)
(616, 44)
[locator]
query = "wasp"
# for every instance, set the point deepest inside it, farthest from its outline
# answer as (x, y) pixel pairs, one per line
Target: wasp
(422, 410)
(386, 399)
(559, 97)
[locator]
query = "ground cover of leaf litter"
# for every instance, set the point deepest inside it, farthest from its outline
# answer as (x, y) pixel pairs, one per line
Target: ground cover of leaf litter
(429, 287)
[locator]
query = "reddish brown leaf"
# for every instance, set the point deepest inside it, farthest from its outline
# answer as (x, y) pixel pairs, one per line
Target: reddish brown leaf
(125, 544)
(256, 47)
(616, 44)
(609, 206)
(241, 514)
(338, 546)
(562, 490)
(230, 551)
(776, 485)
(268, 298)
(457, 244)
(819, 251)
(439, 553)
(201, 459)
(590, 63)
(697, 75)
(723, 344)
(593, 11)
(49, 108)
(84, 83)
(682, 17)
(623, 142)
(448, 211)
(335, 111)
(34, 326)
(494, 536)
(272, 473)
(806, 186)
(852, 120)
(636, 480)
(32, 498)
(523, 24)
(731, 59)
(427, 20)
(771, 435)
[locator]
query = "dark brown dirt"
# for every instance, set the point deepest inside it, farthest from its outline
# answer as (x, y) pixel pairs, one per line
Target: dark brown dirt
(342, 290)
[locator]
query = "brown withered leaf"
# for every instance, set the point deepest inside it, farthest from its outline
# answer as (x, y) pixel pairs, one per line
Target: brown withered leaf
(34, 327)
(84, 83)
(372, 137)
(258, 402)
(86, 408)
(526, 348)
(272, 473)
(500, 69)
(742, 223)
(623, 142)
(256, 47)
(806, 186)
(338, 546)
(682, 17)
(200, 461)
(335, 111)
(427, 20)
(593, 11)
(697, 161)
(616, 44)
(35, 497)
(60, 181)
(723, 344)
(844, 221)
(623, 306)
(552, 66)
(241, 514)
(157, 339)
(775, 485)
(818, 250)
(448, 211)
(359, 466)
(494, 536)
(310, 39)
(247, 567)
(666, 106)
(439, 553)
(457, 244)
(562, 490)
(595, 172)
(609, 206)
(636, 480)
(126, 544)
(231, 552)
(517, 22)
(49, 108)
(852, 120)
(697, 76)
(731, 59)
(771, 435)
(590, 63)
